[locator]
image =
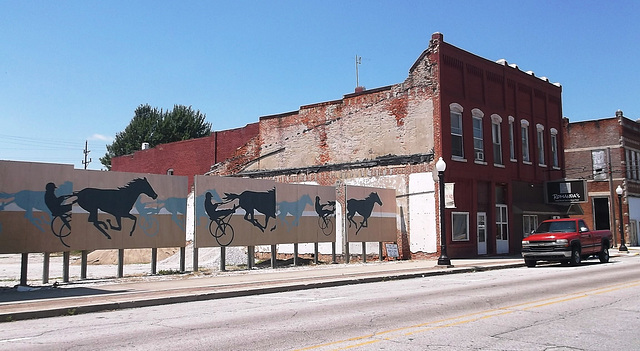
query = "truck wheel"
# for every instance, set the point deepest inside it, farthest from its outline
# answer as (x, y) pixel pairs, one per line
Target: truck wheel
(604, 253)
(576, 258)
(530, 263)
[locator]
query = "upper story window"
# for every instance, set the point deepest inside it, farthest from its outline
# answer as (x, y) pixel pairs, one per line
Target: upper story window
(170, 171)
(496, 137)
(540, 140)
(512, 140)
(555, 161)
(599, 164)
(457, 149)
(524, 131)
(478, 139)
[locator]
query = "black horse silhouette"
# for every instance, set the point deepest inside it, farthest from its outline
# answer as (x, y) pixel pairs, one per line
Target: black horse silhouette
(117, 202)
(250, 201)
(363, 207)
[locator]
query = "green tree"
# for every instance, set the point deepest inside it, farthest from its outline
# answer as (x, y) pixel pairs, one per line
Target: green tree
(155, 126)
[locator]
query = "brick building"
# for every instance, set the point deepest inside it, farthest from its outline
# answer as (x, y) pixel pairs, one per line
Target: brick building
(496, 126)
(188, 157)
(606, 153)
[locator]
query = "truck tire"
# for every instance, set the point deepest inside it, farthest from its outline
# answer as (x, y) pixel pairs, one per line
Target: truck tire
(576, 258)
(530, 263)
(604, 253)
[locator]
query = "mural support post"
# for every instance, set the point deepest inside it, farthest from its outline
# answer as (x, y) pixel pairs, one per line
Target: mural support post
(333, 252)
(154, 260)
(364, 252)
(315, 252)
(65, 266)
(273, 256)
(120, 263)
(183, 253)
(24, 263)
(346, 253)
(45, 267)
(195, 259)
(83, 264)
(295, 254)
(223, 258)
(250, 256)
(380, 251)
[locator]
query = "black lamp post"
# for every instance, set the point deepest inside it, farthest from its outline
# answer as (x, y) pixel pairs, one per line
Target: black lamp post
(443, 260)
(622, 247)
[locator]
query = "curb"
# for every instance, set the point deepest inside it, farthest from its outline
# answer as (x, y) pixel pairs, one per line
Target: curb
(188, 295)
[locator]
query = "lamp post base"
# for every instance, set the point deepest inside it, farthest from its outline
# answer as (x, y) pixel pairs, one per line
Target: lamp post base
(444, 261)
(623, 247)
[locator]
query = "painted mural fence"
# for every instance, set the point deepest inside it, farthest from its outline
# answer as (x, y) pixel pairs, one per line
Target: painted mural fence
(249, 212)
(54, 208)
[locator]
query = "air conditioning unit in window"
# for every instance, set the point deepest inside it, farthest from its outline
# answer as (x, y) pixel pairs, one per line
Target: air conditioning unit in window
(479, 156)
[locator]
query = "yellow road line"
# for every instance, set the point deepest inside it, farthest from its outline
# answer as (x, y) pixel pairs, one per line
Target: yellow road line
(467, 318)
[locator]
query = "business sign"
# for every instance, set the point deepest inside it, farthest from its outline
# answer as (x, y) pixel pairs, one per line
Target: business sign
(565, 191)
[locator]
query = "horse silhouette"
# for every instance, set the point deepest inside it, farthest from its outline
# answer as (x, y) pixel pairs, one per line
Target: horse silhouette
(28, 200)
(363, 207)
(117, 202)
(251, 201)
(294, 208)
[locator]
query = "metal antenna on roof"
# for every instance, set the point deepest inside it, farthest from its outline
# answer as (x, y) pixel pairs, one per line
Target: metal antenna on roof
(358, 62)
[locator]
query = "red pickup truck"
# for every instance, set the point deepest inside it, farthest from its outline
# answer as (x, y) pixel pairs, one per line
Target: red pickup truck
(566, 240)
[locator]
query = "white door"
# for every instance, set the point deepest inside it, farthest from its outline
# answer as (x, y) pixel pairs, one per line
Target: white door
(482, 233)
(502, 229)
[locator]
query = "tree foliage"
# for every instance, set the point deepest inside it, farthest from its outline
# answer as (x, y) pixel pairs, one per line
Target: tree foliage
(155, 126)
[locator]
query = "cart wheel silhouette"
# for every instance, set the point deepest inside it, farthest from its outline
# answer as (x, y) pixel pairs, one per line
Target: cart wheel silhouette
(223, 232)
(326, 225)
(61, 227)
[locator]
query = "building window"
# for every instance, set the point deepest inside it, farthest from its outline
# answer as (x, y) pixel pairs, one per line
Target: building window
(170, 171)
(627, 157)
(529, 224)
(634, 165)
(599, 164)
(524, 130)
(512, 140)
(460, 226)
(496, 137)
(478, 139)
(540, 129)
(502, 223)
(555, 162)
(457, 149)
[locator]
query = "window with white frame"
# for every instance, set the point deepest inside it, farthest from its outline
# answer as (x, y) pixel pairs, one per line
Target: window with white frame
(529, 224)
(555, 162)
(457, 149)
(524, 131)
(460, 226)
(512, 140)
(540, 130)
(478, 139)
(599, 164)
(496, 137)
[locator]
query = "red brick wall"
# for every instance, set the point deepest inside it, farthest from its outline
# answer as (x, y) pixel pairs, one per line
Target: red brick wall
(189, 157)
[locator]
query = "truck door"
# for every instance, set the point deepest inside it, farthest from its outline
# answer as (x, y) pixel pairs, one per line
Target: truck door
(589, 244)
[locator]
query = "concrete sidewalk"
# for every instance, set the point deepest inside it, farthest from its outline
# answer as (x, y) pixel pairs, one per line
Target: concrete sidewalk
(92, 296)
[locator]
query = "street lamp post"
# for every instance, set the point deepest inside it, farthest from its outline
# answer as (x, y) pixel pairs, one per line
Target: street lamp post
(443, 260)
(622, 247)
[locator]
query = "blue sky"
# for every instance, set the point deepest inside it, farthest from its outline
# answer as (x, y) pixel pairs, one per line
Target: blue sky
(72, 71)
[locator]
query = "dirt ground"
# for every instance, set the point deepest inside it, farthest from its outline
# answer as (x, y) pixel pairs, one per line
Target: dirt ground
(131, 256)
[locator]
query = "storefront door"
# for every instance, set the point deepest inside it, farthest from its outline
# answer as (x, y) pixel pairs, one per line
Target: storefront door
(502, 229)
(482, 233)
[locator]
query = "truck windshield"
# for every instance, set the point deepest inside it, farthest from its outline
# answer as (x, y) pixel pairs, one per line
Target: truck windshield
(557, 227)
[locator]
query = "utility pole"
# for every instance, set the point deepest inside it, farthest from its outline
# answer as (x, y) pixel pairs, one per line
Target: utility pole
(86, 153)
